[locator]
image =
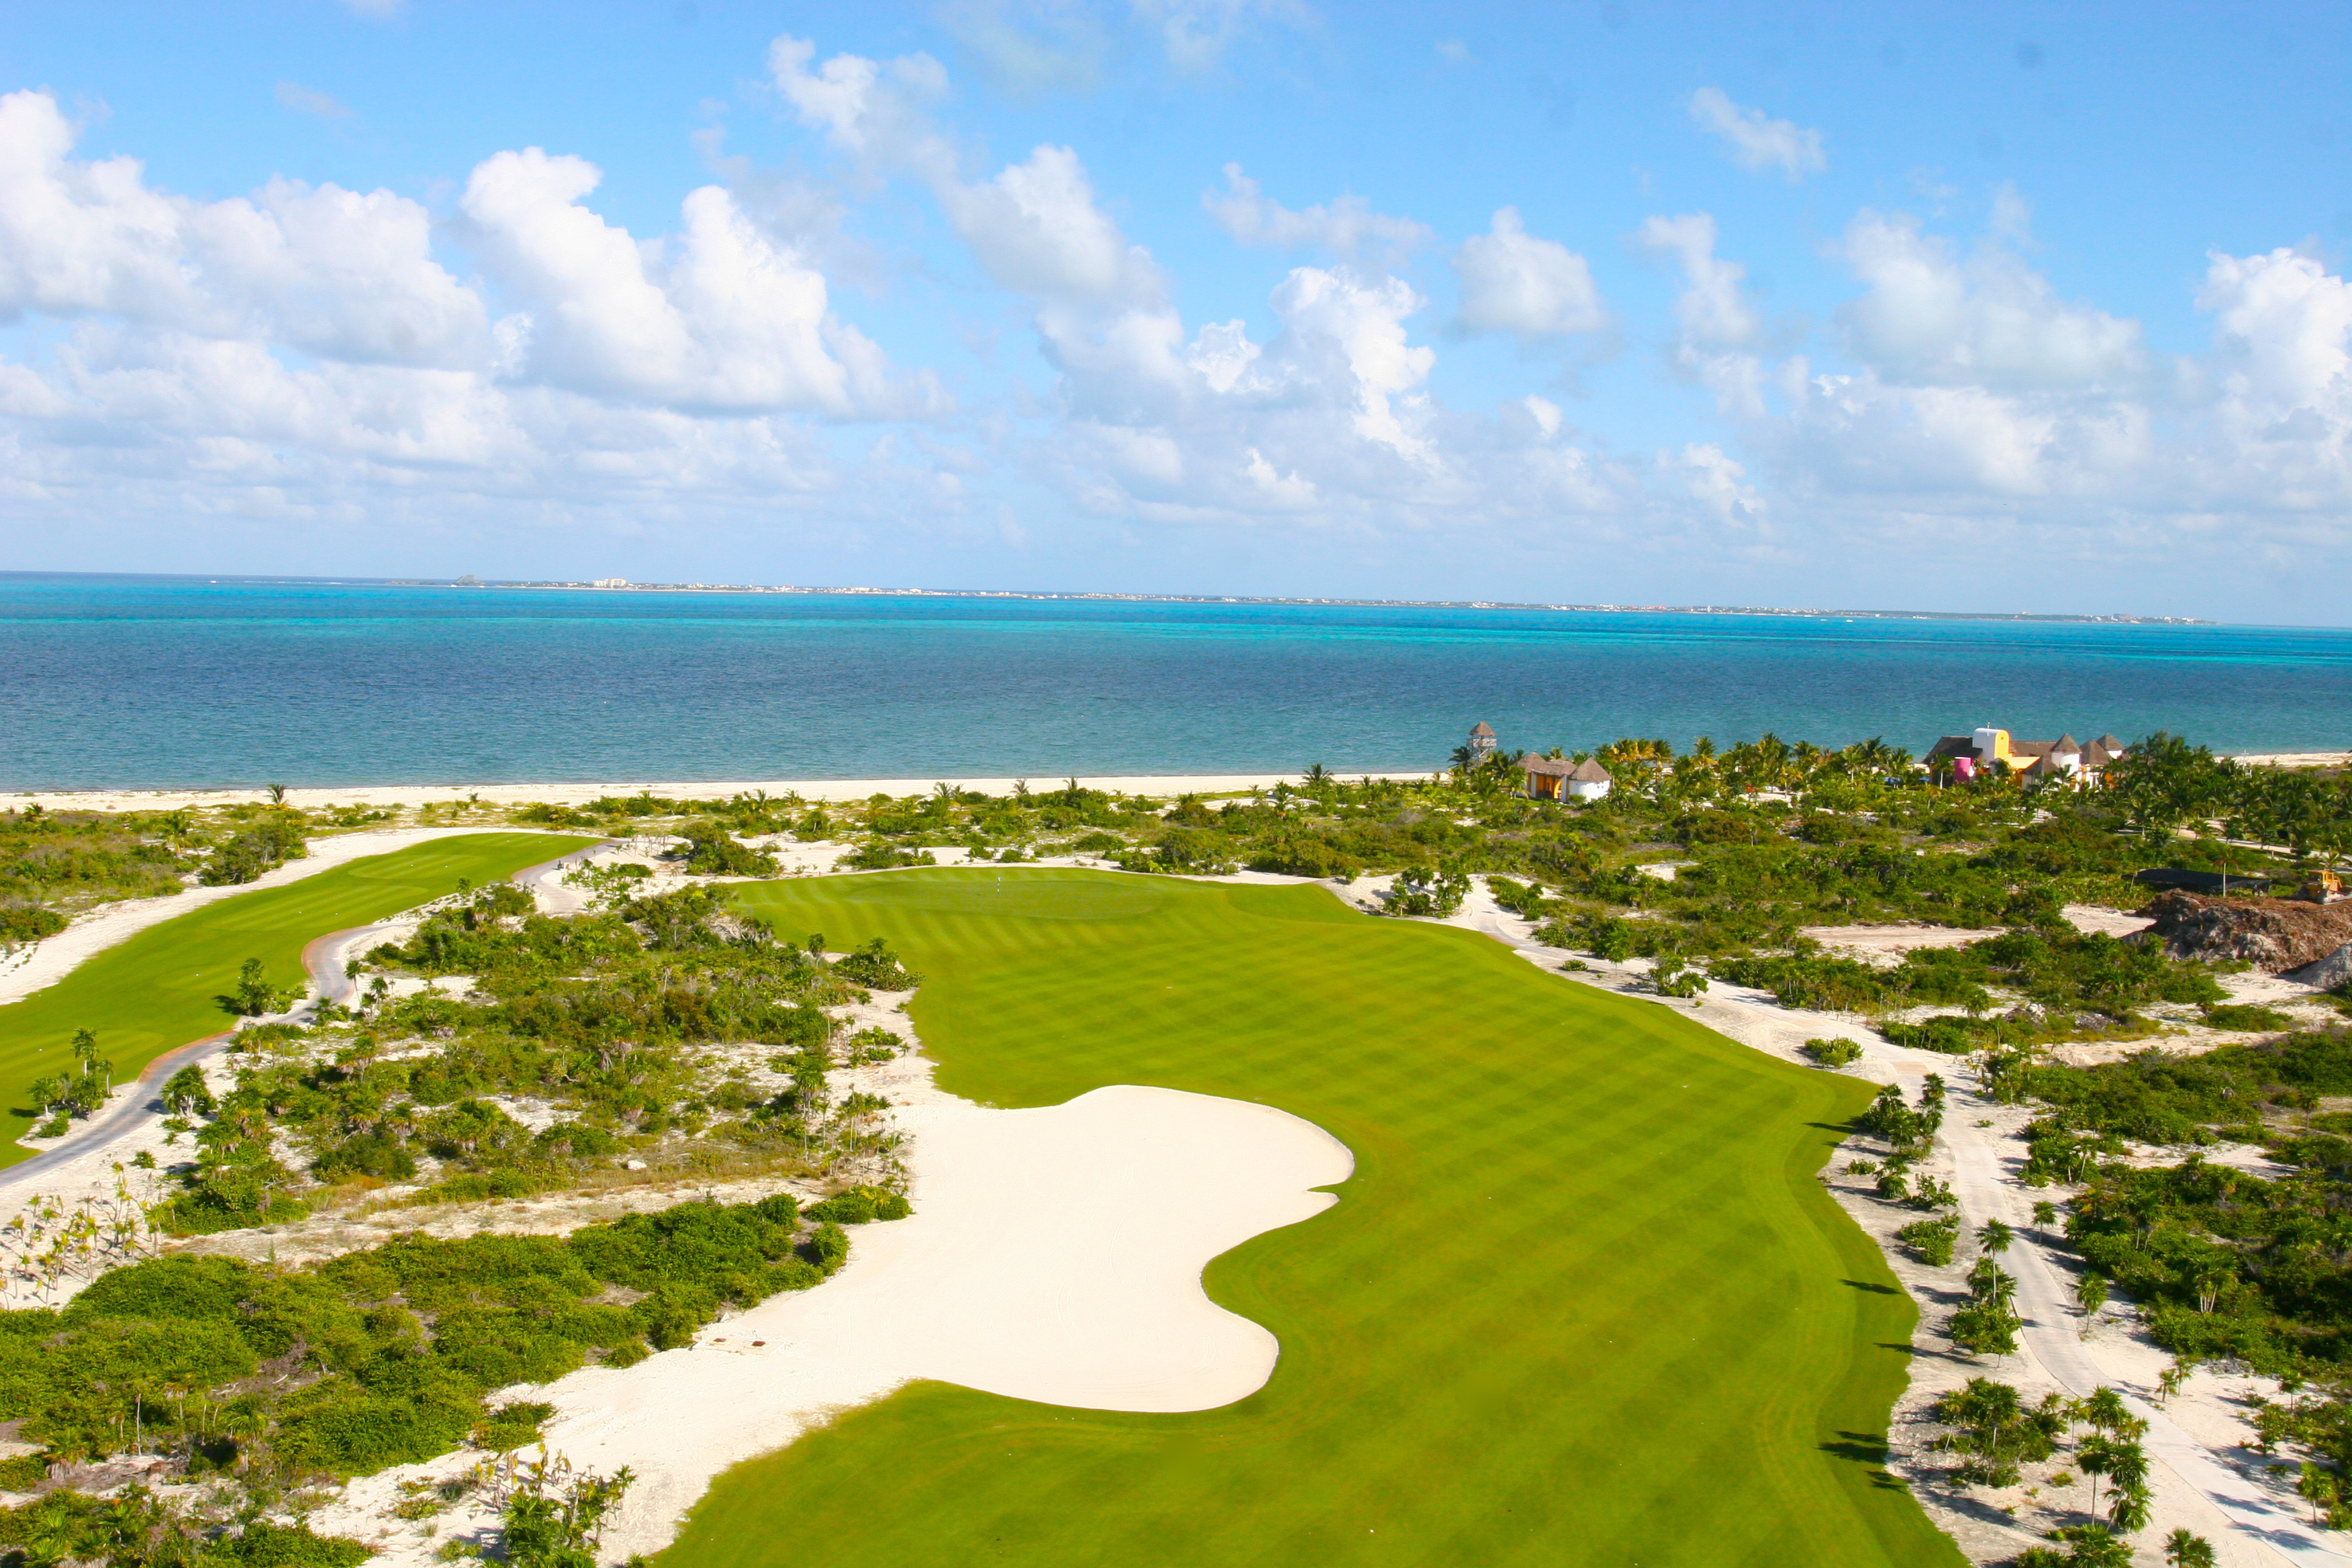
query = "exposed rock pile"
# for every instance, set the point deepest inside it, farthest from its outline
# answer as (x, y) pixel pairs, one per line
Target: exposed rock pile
(2329, 973)
(2274, 933)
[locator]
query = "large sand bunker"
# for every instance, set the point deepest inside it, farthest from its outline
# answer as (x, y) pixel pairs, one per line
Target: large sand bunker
(1054, 1255)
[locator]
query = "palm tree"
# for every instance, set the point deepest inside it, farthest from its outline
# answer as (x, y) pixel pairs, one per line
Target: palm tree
(2094, 1456)
(2183, 1550)
(2127, 1473)
(1318, 776)
(2319, 1489)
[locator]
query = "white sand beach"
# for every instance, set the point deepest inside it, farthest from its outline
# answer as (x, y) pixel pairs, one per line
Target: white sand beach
(311, 799)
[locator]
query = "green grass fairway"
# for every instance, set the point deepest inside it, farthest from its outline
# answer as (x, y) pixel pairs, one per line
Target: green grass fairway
(156, 992)
(1582, 1305)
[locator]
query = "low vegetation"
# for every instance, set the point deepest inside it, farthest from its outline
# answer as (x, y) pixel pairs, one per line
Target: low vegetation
(662, 1028)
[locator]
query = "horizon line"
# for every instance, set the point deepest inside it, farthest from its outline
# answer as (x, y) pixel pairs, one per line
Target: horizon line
(623, 585)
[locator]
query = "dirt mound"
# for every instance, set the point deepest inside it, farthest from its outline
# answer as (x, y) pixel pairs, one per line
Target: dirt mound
(2276, 934)
(2328, 973)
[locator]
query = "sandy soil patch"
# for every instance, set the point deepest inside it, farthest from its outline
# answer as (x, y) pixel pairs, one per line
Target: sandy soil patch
(2298, 759)
(2093, 920)
(1892, 940)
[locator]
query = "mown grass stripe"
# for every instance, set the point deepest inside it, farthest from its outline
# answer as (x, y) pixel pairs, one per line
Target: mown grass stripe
(1583, 1301)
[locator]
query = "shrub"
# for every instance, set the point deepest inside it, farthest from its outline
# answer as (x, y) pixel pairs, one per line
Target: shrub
(1832, 1053)
(1931, 1239)
(860, 1206)
(260, 848)
(24, 922)
(710, 852)
(1304, 857)
(880, 855)
(1952, 1036)
(1425, 894)
(877, 967)
(2246, 1016)
(267, 1545)
(827, 1247)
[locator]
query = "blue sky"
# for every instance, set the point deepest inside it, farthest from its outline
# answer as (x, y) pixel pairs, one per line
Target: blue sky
(1985, 307)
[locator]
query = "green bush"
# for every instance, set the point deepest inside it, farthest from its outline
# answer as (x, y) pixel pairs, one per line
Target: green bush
(2246, 1016)
(1952, 1036)
(265, 1545)
(1833, 1053)
(880, 855)
(711, 851)
(26, 922)
(860, 1206)
(260, 848)
(876, 965)
(1931, 1239)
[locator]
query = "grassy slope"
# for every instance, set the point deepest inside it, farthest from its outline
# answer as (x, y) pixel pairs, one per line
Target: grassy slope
(156, 992)
(1582, 1303)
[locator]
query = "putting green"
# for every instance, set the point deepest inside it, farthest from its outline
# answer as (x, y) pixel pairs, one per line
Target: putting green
(1583, 1301)
(158, 990)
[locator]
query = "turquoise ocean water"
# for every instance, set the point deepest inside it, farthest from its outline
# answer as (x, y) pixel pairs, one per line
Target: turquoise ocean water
(154, 683)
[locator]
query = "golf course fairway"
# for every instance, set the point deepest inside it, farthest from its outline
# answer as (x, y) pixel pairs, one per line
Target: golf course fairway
(1583, 1303)
(159, 989)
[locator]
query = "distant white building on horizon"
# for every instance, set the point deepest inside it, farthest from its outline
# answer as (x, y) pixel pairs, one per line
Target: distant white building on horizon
(610, 583)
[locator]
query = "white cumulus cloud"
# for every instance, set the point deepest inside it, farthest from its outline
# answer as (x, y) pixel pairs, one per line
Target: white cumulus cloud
(1346, 227)
(1514, 282)
(1756, 140)
(1928, 316)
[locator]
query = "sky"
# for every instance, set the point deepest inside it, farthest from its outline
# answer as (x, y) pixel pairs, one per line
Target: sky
(1980, 307)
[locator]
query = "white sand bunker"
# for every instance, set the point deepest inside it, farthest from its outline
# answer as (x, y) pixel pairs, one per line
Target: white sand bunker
(1054, 1255)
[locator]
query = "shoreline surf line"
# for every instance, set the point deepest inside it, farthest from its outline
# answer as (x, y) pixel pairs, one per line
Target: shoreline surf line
(309, 798)
(830, 789)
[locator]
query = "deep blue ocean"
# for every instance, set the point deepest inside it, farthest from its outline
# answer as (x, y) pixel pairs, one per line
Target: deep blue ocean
(154, 683)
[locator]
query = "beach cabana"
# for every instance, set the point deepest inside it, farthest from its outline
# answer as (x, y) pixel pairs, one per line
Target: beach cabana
(1556, 778)
(1547, 777)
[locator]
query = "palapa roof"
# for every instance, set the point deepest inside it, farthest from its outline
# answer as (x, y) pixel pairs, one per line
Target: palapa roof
(1588, 772)
(1550, 767)
(2105, 749)
(1480, 729)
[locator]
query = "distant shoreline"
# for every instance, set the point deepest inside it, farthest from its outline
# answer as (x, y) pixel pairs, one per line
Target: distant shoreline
(622, 585)
(505, 794)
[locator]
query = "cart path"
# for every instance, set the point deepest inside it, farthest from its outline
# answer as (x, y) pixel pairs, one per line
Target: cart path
(323, 959)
